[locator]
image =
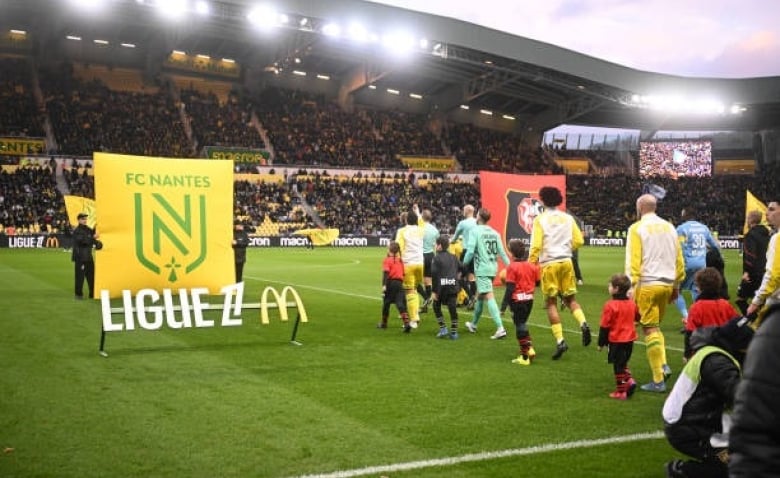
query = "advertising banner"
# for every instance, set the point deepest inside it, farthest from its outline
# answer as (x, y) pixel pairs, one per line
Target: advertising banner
(428, 163)
(239, 155)
(22, 146)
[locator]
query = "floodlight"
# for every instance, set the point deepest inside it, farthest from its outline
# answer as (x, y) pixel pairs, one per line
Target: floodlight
(486, 112)
(371, 87)
(710, 106)
(284, 19)
(304, 21)
(393, 92)
(128, 45)
(299, 73)
(19, 32)
(399, 43)
(100, 42)
(202, 8)
(203, 57)
(423, 43)
(73, 37)
(464, 107)
(508, 117)
(357, 32)
(178, 52)
(228, 60)
(331, 30)
(263, 16)
(172, 8)
(323, 77)
(415, 96)
(89, 5)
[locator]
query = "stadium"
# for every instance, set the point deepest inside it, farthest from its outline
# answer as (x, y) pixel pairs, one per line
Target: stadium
(336, 116)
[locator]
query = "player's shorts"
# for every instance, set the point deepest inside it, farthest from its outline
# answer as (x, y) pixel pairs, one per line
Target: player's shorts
(413, 275)
(651, 300)
(427, 261)
(484, 284)
(558, 279)
(467, 268)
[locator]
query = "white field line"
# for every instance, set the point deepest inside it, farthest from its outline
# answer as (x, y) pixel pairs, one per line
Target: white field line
(488, 455)
(465, 314)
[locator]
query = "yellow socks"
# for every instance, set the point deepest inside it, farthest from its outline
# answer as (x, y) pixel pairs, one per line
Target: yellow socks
(656, 355)
(557, 331)
(579, 316)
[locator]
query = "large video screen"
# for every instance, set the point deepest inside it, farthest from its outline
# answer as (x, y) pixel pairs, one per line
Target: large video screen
(675, 159)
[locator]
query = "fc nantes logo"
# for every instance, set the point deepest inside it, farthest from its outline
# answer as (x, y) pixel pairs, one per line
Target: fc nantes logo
(521, 210)
(170, 233)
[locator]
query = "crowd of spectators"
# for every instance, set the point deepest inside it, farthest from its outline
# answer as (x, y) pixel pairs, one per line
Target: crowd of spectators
(89, 117)
(306, 129)
(370, 203)
(608, 202)
(482, 149)
(19, 116)
(30, 201)
(215, 124)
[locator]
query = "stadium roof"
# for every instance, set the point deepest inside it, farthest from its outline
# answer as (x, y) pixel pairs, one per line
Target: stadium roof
(449, 62)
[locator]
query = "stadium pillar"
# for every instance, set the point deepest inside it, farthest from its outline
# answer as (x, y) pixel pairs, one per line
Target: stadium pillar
(360, 77)
(769, 147)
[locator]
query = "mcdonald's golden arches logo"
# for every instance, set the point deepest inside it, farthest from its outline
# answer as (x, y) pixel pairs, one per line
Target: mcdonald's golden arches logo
(282, 303)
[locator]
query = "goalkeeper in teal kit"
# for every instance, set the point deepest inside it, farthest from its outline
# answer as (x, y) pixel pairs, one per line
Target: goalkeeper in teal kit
(484, 248)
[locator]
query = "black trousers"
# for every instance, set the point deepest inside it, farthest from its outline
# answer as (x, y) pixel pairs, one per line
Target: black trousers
(394, 294)
(695, 443)
(85, 270)
(448, 295)
(239, 271)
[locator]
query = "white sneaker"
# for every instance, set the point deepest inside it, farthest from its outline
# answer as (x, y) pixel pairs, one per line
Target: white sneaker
(413, 323)
(500, 334)
(472, 328)
(579, 282)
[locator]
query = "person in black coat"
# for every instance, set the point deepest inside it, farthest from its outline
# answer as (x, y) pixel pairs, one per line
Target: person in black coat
(754, 247)
(696, 413)
(755, 436)
(84, 239)
(240, 243)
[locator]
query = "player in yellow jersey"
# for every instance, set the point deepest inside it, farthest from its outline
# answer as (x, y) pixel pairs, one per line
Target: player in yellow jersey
(410, 238)
(554, 237)
(654, 263)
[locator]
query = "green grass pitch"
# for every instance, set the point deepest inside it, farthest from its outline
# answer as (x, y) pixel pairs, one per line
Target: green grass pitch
(244, 402)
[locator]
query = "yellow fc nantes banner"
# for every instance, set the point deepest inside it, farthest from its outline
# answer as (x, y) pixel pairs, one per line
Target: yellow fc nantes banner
(753, 204)
(164, 223)
(75, 205)
(319, 237)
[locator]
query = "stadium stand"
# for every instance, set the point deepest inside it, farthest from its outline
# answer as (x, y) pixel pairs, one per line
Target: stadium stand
(101, 109)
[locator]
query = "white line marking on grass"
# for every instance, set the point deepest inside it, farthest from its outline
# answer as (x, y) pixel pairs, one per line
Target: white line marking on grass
(460, 313)
(488, 455)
